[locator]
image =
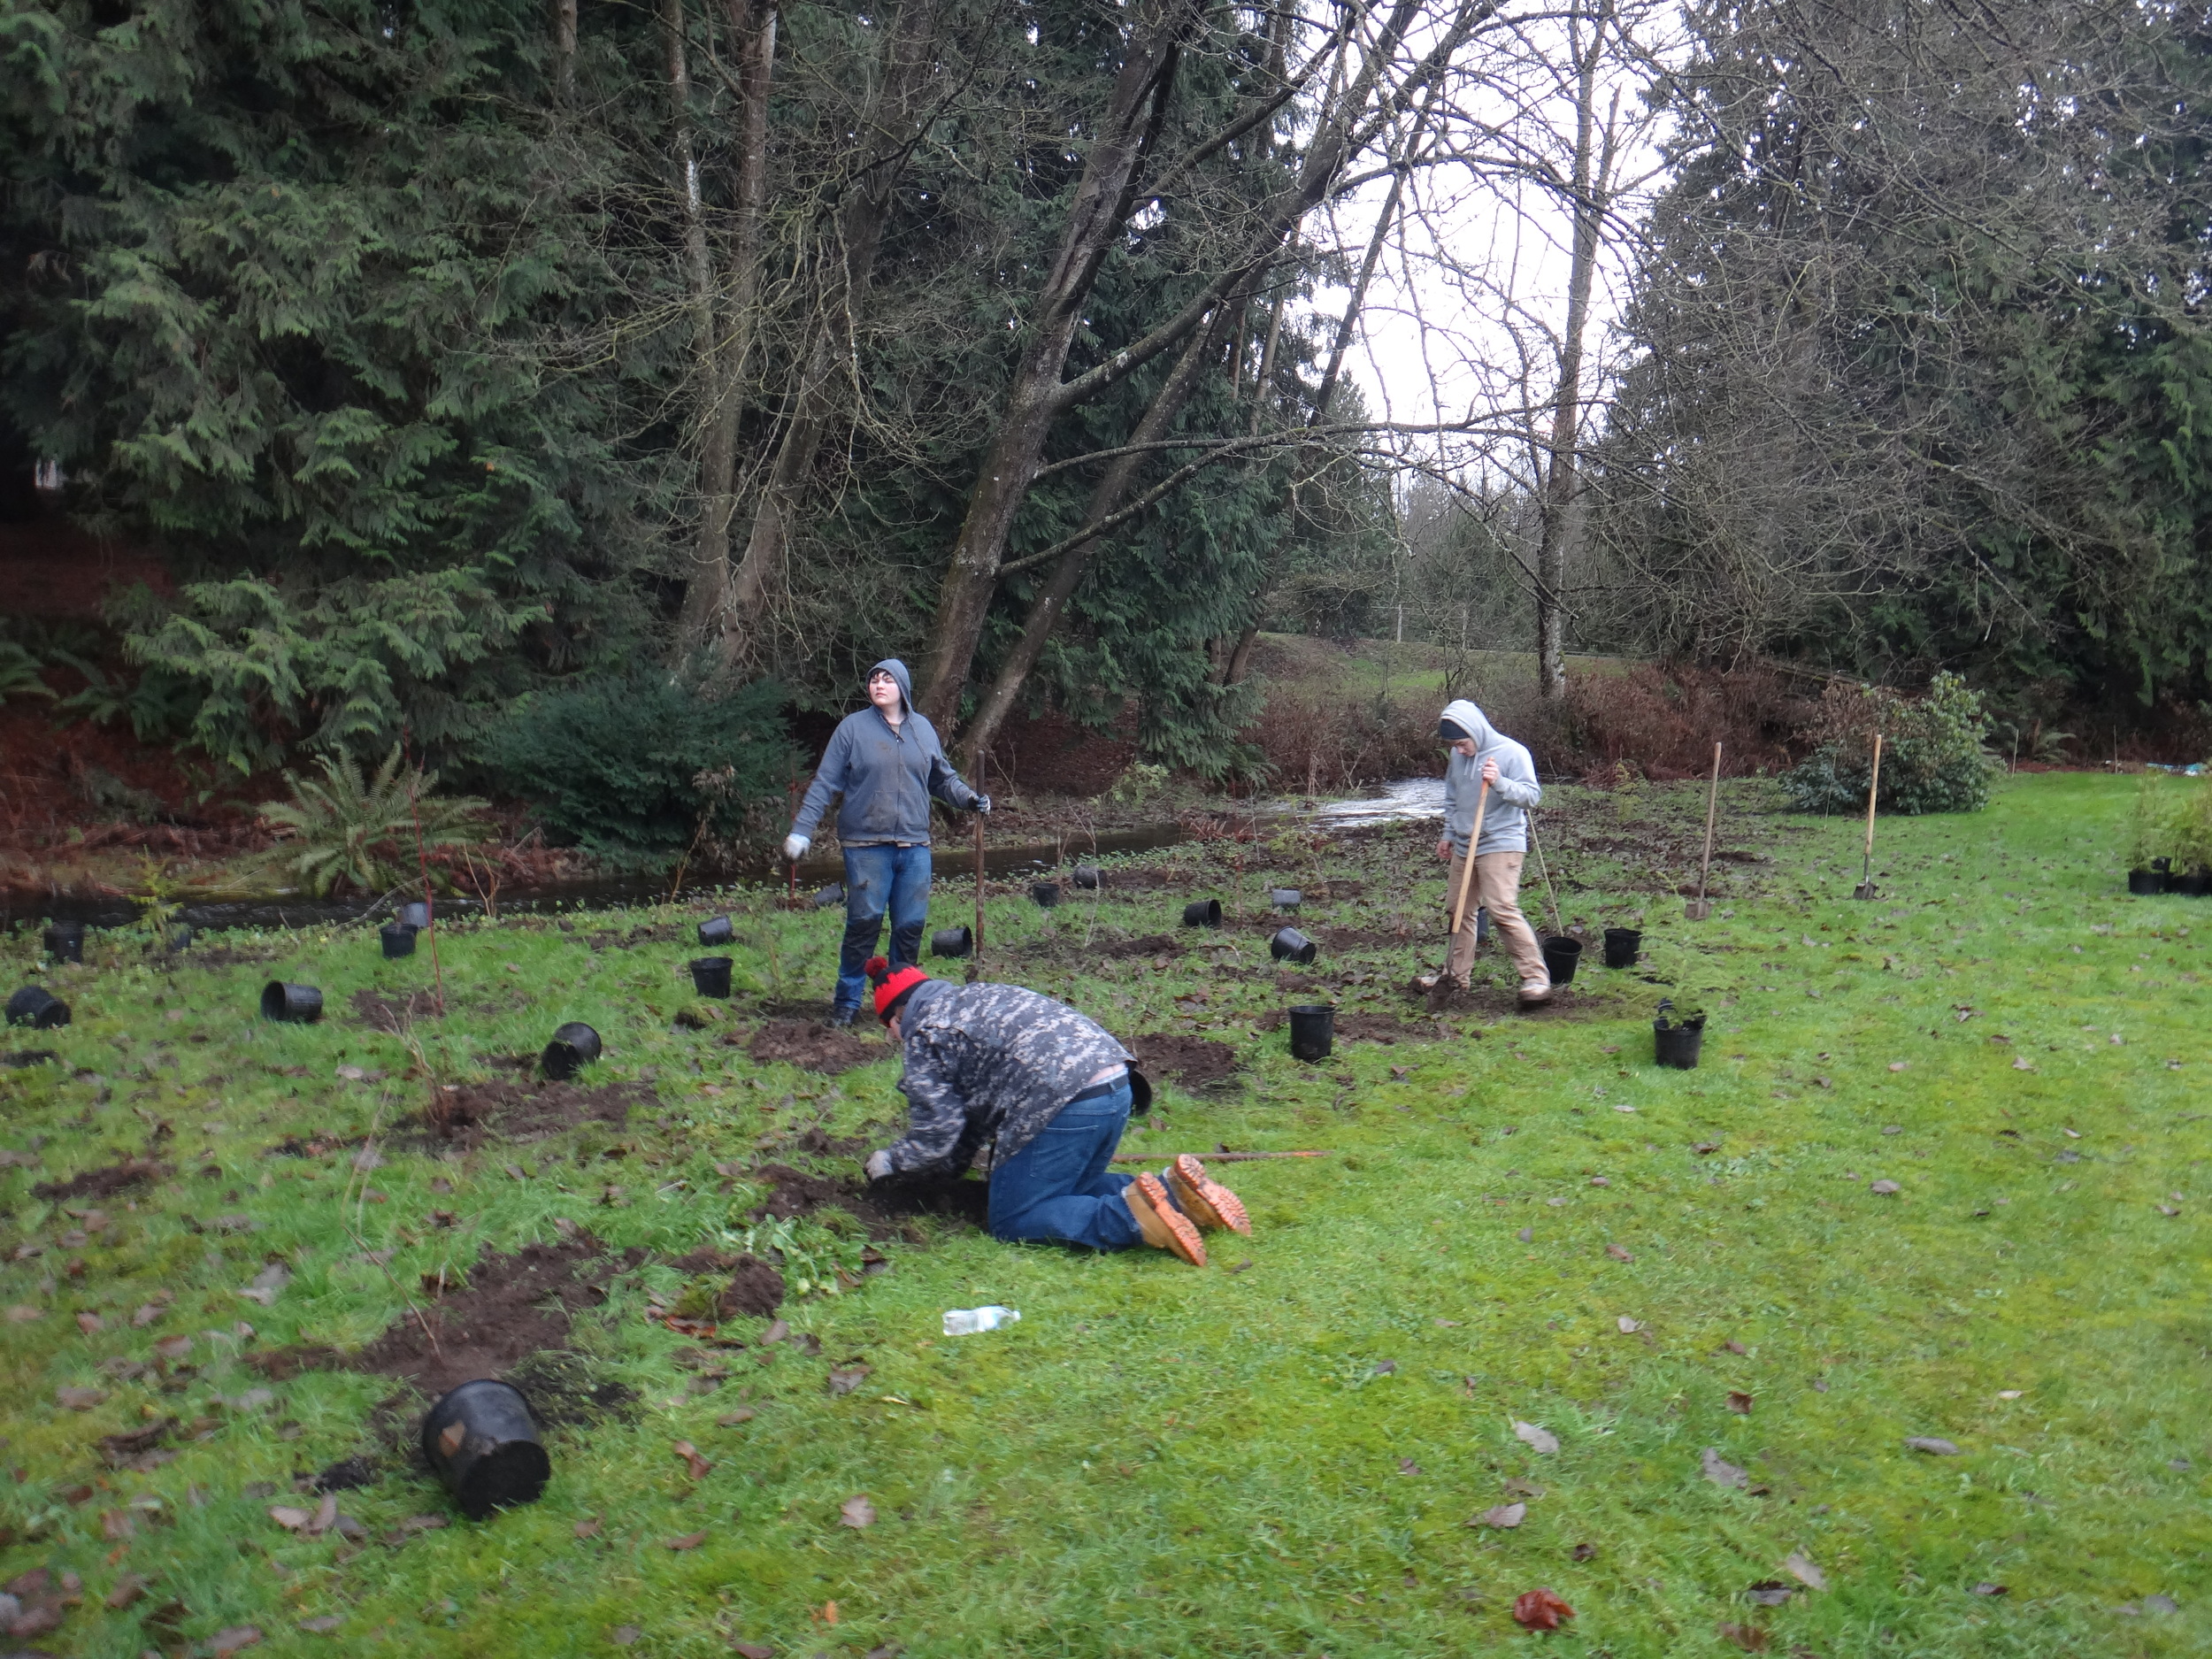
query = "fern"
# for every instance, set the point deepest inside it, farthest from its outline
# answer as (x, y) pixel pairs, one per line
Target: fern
(357, 830)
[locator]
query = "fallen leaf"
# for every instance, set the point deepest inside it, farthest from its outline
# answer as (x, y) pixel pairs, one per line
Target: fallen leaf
(288, 1517)
(2155, 1603)
(1628, 1328)
(828, 1615)
(173, 1347)
(1527, 1236)
(690, 1453)
(776, 1331)
(1883, 1188)
(752, 1650)
(2071, 1134)
(116, 1525)
(1704, 1148)
(2009, 1394)
(731, 1419)
(1407, 1466)
(589, 1528)
(623, 1635)
(1517, 1488)
(1800, 1567)
(127, 1589)
(91, 1324)
(1720, 1471)
(849, 1377)
(689, 1540)
(1731, 1346)
(1537, 1440)
(1750, 1637)
(1600, 1181)
(1739, 1402)
(1987, 1588)
(1618, 1253)
(1896, 1066)
(79, 1398)
(22, 1314)
(1539, 1609)
(229, 1642)
(321, 1627)
(1931, 1445)
(1584, 1552)
(1769, 1593)
(857, 1512)
(1504, 1516)
(1893, 1129)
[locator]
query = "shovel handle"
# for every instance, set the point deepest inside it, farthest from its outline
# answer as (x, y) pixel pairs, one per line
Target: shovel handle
(978, 892)
(1467, 869)
(1873, 787)
(1712, 803)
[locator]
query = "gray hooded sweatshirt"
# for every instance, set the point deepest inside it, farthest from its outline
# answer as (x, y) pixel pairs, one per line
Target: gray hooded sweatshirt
(1504, 820)
(887, 774)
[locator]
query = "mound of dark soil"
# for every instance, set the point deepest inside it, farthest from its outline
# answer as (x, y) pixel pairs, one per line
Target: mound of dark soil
(394, 1014)
(812, 1048)
(531, 1111)
(1193, 1062)
(512, 1306)
(1495, 1000)
(879, 1206)
(1373, 937)
(754, 1290)
(105, 1183)
(1147, 945)
(318, 1143)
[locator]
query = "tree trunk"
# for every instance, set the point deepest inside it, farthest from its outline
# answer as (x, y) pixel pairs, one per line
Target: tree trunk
(564, 53)
(1560, 476)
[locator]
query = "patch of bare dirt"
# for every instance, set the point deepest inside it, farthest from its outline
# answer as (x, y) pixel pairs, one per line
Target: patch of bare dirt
(512, 1307)
(1146, 945)
(105, 1183)
(531, 1111)
(1193, 1061)
(1493, 1000)
(231, 955)
(754, 1290)
(812, 1048)
(1371, 938)
(387, 1013)
(882, 1207)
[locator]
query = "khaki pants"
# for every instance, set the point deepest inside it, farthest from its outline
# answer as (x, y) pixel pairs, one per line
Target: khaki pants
(1496, 888)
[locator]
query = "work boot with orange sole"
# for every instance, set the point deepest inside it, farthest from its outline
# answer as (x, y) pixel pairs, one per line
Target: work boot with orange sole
(1163, 1226)
(1207, 1202)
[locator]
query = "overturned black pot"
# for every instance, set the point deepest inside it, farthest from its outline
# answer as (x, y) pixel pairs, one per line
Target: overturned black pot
(1086, 876)
(1290, 945)
(574, 1046)
(952, 941)
(2196, 884)
(1045, 893)
(1203, 913)
(38, 1008)
(833, 894)
(1677, 1044)
(1622, 946)
(1286, 898)
(399, 940)
(483, 1444)
(416, 913)
(716, 931)
(1561, 957)
(178, 939)
(710, 975)
(65, 941)
(295, 1004)
(1313, 1031)
(2147, 884)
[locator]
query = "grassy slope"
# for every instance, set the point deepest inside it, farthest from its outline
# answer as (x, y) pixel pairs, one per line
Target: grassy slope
(1163, 1460)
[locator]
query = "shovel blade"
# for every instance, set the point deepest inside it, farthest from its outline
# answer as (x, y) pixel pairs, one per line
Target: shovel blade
(1697, 910)
(1864, 890)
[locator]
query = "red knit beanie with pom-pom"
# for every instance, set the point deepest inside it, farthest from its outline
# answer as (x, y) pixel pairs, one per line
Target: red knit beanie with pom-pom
(892, 985)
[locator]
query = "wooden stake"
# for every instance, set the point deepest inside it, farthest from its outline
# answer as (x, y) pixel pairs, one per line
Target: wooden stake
(1873, 787)
(979, 892)
(1697, 907)
(1467, 870)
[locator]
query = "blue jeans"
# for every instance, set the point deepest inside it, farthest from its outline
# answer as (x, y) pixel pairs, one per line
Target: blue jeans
(1058, 1187)
(880, 878)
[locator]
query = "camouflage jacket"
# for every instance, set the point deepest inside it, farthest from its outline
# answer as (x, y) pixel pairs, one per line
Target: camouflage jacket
(988, 1067)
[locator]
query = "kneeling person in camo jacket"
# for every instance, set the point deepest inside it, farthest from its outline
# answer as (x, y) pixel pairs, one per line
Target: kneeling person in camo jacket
(1041, 1094)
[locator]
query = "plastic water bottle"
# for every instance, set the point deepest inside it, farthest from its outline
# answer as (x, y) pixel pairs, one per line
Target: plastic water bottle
(968, 1321)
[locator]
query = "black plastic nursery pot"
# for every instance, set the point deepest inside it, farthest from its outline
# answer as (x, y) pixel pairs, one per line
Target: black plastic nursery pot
(1285, 898)
(1313, 1031)
(1677, 1043)
(180, 939)
(483, 1443)
(1290, 945)
(952, 941)
(574, 1046)
(296, 1004)
(65, 941)
(415, 914)
(1561, 957)
(399, 941)
(1088, 876)
(833, 894)
(1203, 913)
(38, 1008)
(2195, 884)
(1045, 893)
(2147, 884)
(1622, 946)
(716, 931)
(710, 975)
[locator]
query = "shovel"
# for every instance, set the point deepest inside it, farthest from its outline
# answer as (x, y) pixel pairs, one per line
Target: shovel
(1700, 907)
(1865, 889)
(978, 970)
(1466, 877)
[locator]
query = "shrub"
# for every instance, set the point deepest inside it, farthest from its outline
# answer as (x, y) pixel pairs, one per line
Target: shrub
(633, 768)
(2172, 819)
(354, 830)
(1662, 720)
(1933, 757)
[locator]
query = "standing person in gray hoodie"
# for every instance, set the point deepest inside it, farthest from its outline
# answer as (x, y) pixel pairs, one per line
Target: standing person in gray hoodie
(1483, 755)
(888, 763)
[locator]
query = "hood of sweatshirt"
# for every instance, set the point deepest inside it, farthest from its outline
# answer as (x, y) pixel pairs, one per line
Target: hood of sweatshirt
(892, 666)
(1469, 720)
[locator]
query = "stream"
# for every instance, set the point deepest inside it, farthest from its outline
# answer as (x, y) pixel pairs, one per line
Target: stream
(1410, 799)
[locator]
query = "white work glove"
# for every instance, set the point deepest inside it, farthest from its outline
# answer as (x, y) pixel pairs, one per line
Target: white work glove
(794, 846)
(879, 1164)
(983, 805)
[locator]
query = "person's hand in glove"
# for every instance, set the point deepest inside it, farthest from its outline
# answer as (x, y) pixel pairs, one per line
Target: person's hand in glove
(879, 1164)
(983, 805)
(794, 848)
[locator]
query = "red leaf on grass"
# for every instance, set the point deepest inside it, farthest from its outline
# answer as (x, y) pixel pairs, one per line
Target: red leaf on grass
(856, 1511)
(1739, 1402)
(752, 1650)
(1750, 1637)
(587, 1529)
(689, 1540)
(1539, 1609)
(690, 1453)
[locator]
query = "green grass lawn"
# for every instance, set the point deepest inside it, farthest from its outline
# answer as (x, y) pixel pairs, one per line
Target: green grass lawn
(1524, 1221)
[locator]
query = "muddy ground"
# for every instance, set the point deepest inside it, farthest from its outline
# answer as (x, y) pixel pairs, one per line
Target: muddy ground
(479, 1112)
(813, 1047)
(1194, 1063)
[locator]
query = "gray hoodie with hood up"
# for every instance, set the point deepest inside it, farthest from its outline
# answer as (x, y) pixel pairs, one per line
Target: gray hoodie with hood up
(887, 774)
(1504, 820)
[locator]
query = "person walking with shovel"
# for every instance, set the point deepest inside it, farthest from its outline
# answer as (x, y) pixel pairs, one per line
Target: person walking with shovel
(1039, 1095)
(1489, 785)
(888, 763)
